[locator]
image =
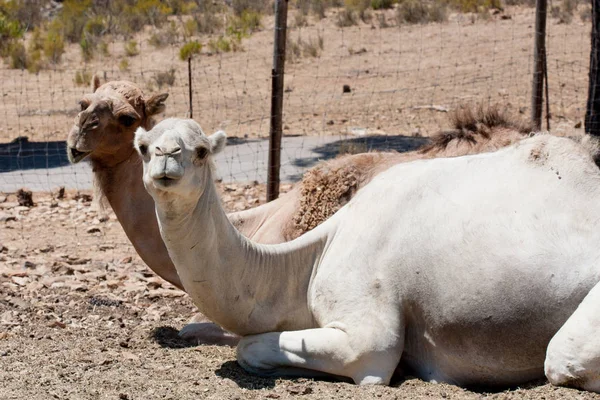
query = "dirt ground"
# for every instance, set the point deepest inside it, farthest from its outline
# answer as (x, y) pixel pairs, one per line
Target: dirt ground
(81, 317)
(396, 74)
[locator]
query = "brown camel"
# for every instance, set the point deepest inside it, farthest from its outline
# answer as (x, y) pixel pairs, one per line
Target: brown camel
(104, 131)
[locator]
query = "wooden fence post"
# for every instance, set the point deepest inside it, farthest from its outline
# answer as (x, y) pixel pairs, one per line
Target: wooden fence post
(539, 63)
(592, 112)
(277, 75)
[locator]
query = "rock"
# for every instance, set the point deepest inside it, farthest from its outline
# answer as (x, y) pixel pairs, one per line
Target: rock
(25, 198)
(126, 260)
(577, 125)
(93, 229)
(346, 89)
(57, 324)
(2, 199)
(5, 217)
(299, 390)
(19, 303)
(28, 265)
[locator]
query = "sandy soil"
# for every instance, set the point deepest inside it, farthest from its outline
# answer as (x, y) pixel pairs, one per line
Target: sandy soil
(81, 317)
(394, 73)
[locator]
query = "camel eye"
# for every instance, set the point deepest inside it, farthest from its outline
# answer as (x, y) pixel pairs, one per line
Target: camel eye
(126, 120)
(202, 152)
(83, 105)
(143, 149)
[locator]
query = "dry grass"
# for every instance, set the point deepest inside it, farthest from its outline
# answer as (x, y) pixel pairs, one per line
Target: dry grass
(166, 78)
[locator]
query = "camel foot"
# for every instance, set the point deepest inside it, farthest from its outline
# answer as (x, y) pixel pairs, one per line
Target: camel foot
(201, 331)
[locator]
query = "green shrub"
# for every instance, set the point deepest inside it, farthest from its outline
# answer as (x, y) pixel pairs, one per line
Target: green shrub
(346, 18)
(88, 48)
(417, 12)
(382, 4)
(209, 22)
(220, 45)
(189, 49)
(10, 31)
(20, 58)
(190, 28)
(73, 18)
(95, 26)
(82, 78)
(473, 5)
(259, 6)
(164, 37)
(54, 46)
(27, 12)
(104, 49)
(131, 48)
(124, 65)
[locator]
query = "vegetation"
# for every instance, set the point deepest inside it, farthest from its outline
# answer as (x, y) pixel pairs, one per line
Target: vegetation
(295, 49)
(165, 78)
(31, 40)
(189, 49)
(83, 78)
(131, 48)
(418, 12)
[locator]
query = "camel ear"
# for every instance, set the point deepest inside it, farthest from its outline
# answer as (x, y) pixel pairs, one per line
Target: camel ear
(156, 104)
(218, 140)
(141, 147)
(95, 83)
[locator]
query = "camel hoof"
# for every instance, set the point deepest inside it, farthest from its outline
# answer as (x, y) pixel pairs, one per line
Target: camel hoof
(208, 333)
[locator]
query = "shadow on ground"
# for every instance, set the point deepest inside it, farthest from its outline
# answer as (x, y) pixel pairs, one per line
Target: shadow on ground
(21, 154)
(167, 336)
(232, 370)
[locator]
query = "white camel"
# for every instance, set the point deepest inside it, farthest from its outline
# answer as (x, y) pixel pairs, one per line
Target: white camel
(465, 270)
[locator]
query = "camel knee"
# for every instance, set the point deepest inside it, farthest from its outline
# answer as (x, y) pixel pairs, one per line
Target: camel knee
(563, 369)
(257, 353)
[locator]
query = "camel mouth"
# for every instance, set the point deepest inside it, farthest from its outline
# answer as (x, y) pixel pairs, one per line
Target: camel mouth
(166, 181)
(75, 155)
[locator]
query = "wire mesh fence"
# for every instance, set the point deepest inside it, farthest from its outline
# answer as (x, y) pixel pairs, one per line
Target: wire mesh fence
(371, 86)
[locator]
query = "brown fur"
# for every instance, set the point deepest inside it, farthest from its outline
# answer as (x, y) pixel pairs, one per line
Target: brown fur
(330, 185)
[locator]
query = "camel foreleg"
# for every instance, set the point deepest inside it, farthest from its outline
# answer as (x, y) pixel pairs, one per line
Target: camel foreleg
(366, 358)
(573, 354)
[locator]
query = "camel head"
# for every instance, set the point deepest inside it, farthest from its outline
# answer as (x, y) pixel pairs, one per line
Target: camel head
(177, 157)
(105, 127)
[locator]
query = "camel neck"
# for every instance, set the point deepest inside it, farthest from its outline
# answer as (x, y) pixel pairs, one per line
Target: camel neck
(245, 287)
(124, 189)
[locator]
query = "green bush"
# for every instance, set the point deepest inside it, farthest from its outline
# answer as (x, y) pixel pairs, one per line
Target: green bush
(474, 5)
(73, 18)
(10, 31)
(124, 65)
(209, 22)
(95, 26)
(131, 48)
(258, 6)
(189, 49)
(54, 46)
(164, 37)
(88, 48)
(83, 78)
(417, 12)
(346, 18)
(190, 28)
(382, 4)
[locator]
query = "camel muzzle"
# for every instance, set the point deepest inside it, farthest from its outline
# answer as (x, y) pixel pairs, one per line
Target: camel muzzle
(75, 155)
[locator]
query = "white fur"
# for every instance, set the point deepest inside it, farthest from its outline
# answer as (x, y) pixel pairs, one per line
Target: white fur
(465, 269)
